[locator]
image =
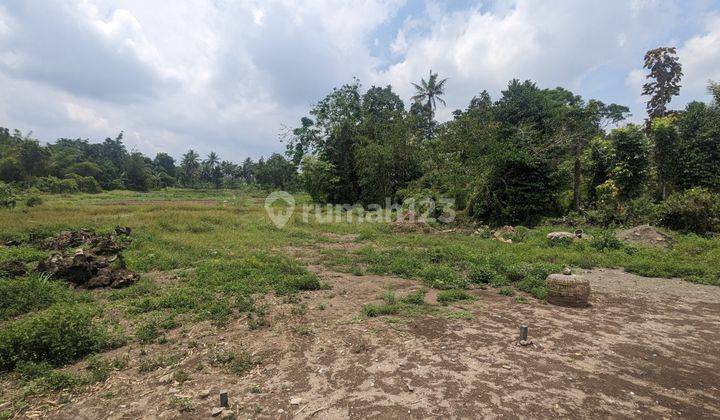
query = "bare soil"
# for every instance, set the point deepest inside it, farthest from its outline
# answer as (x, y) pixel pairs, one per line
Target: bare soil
(645, 348)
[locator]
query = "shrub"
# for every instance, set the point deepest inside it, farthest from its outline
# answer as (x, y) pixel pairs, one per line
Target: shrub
(606, 240)
(695, 210)
(481, 274)
(441, 276)
(414, 298)
(59, 335)
(56, 185)
(373, 310)
(24, 294)
(86, 184)
(7, 195)
(453, 295)
(33, 201)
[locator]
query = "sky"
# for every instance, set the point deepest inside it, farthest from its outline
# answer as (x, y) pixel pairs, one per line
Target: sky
(231, 76)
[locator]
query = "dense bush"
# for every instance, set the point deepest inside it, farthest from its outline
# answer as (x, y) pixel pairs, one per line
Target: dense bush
(58, 335)
(86, 184)
(7, 195)
(695, 210)
(56, 185)
(33, 201)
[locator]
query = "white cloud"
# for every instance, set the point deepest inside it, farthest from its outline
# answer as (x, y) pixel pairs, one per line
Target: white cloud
(226, 75)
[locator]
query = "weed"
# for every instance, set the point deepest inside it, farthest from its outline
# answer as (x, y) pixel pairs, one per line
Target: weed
(453, 295)
(373, 310)
(414, 298)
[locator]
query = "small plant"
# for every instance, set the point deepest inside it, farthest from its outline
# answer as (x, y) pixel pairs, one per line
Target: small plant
(181, 376)
(182, 404)
(520, 299)
(506, 291)
(414, 298)
(389, 297)
(321, 306)
(33, 201)
(374, 310)
(453, 295)
(606, 240)
(148, 332)
(481, 274)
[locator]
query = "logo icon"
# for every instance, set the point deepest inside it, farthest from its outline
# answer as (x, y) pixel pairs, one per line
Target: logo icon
(280, 214)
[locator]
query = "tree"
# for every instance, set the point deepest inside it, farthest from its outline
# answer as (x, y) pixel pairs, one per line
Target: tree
(429, 92)
(665, 74)
(318, 178)
(632, 167)
(165, 162)
(136, 172)
(189, 168)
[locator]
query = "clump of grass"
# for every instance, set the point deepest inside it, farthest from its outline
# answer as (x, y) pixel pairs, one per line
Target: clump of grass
(506, 291)
(461, 314)
(441, 276)
(454, 295)
(414, 298)
(149, 364)
(373, 310)
(58, 335)
(182, 404)
(606, 240)
(237, 363)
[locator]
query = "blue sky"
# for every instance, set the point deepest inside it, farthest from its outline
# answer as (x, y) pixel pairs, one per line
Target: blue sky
(230, 76)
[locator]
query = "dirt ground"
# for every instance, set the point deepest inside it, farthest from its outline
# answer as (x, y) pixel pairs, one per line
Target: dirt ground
(646, 348)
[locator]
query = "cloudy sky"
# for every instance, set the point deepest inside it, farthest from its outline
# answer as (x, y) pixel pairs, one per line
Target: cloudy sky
(227, 75)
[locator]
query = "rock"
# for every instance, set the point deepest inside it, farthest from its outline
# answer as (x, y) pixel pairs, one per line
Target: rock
(295, 401)
(645, 235)
(568, 290)
(11, 242)
(227, 414)
(123, 230)
(567, 271)
(204, 393)
(13, 268)
(96, 263)
(216, 411)
(554, 236)
(166, 379)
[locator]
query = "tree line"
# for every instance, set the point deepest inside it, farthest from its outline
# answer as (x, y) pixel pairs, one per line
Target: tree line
(76, 165)
(530, 153)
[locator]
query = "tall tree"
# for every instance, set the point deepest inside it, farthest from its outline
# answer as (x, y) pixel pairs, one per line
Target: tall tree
(189, 167)
(429, 93)
(665, 74)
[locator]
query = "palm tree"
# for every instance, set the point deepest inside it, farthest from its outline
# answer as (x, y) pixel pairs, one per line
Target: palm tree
(429, 92)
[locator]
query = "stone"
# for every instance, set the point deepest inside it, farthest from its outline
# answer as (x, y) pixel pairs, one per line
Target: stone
(204, 393)
(554, 236)
(166, 379)
(295, 401)
(13, 268)
(568, 290)
(567, 271)
(216, 411)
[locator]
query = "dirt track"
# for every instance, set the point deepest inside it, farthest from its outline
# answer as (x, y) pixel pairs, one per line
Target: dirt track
(646, 348)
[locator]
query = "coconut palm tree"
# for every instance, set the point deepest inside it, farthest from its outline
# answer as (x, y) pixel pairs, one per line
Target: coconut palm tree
(429, 92)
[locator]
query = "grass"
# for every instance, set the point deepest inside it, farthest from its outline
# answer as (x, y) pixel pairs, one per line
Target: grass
(218, 255)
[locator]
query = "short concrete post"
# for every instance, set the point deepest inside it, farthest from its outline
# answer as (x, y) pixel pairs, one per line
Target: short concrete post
(224, 399)
(523, 333)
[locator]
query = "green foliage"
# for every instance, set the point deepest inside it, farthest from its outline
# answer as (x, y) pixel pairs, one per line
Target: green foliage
(414, 298)
(453, 295)
(374, 310)
(319, 178)
(58, 335)
(696, 210)
(21, 295)
(33, 201)
(605, 240)
(632, 167)
(7, 196)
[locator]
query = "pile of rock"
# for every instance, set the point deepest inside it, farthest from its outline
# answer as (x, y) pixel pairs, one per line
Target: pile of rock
(96, 262)
(567, 236)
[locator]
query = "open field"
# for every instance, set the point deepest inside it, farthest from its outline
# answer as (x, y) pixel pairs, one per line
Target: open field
(353, 320)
